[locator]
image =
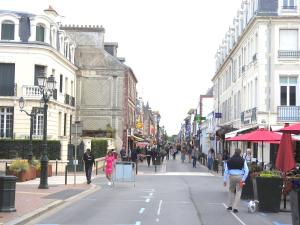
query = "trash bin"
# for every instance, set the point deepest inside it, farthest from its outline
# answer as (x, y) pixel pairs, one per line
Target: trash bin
(7, 193)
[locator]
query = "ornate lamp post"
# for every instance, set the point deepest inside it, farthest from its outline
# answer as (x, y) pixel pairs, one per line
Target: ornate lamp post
(46, 86)
(32, 114)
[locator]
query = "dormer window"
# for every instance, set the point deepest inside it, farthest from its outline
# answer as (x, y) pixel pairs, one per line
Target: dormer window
(40, 33)
(7, 30)
(289, 4)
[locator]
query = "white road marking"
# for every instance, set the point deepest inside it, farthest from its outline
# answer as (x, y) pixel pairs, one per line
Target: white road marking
(147, 200)
(32, 193)
(157, 220)
(202, 174)
(138, 223)
(159, 207)
(141, 210)
(238, 219)
(150, 194)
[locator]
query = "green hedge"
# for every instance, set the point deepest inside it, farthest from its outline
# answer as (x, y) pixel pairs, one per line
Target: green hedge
(10, 149)
(99, 148)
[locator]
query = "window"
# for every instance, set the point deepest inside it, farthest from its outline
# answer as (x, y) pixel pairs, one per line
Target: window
(60, 83)
(7, 30)
(288, 40)
(289, 4)
(38, 121)
(288, 90)
(6, 122)
(59, 124)
(65, 124)
(40, 33)
(7, 79)
(38, 71)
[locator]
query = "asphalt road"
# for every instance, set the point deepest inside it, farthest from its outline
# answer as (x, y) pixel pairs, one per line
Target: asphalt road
(176, 195)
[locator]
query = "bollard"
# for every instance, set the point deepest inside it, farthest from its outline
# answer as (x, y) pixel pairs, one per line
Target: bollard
(7, 193)
(6, 168)
(66, 175)
(96, 168)
(56, 168)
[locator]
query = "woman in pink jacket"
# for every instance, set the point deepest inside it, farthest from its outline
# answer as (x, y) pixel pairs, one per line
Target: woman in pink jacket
(109, 165)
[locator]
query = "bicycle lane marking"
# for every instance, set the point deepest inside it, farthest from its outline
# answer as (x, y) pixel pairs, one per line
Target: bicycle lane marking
(235, 216)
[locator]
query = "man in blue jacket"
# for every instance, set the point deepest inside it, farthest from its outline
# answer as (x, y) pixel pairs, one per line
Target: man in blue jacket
(236, 170)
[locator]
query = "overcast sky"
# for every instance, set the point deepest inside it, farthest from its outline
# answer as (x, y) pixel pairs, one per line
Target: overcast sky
(169, 44)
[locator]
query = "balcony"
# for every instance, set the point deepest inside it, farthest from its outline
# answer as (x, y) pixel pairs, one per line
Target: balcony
(288, 54)
(31, 91)
(288, 113)
(69, 100)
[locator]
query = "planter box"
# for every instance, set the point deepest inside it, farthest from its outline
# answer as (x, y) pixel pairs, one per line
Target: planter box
(268, 192)
(295, 206)
(25, 175)
(247, 191)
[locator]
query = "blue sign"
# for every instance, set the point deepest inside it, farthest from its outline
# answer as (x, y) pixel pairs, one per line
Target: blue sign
(218, 115)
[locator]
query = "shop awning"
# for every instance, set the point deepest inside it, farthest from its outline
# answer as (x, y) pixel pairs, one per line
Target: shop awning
(136, 138)
(236, 132)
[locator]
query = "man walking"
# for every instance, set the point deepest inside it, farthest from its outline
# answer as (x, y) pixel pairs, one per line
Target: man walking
(89, 161)
(237, 170)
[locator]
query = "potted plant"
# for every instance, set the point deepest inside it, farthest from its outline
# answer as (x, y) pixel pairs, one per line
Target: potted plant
(247, 191)
(20, 169)
(267, 190)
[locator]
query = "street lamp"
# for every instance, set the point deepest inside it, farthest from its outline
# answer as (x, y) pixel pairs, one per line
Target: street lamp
(32, 114)
(46, 86)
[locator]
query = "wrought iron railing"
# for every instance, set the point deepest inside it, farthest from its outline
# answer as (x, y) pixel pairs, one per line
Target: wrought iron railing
(288, 113)
(289, 7)
(288, 54)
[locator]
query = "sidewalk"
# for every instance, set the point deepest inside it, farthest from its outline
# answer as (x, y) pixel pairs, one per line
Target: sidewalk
(31, 201)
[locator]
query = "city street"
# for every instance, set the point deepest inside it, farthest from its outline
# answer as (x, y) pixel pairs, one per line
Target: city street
(176, 195)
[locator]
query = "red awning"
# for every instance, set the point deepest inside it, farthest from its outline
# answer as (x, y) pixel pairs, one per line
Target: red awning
(293, 129)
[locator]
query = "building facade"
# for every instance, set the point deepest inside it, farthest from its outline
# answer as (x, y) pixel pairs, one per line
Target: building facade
(31, 45)
(106, 87)
(257, 68)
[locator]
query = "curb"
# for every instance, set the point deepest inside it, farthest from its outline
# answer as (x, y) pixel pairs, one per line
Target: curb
(46, 209)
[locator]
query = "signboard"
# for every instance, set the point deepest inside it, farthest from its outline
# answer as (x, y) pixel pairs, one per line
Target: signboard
(75, 162)
(218, 115)
(76, 129)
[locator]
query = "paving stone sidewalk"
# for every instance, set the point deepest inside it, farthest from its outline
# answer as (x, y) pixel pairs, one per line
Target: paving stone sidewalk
(30, 200)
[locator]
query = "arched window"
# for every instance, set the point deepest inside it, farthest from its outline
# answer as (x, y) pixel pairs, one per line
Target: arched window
(7, 30)
(40, 33)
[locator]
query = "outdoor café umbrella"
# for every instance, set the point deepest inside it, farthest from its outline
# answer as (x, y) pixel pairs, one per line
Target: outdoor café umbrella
(259, 135)
(285, 158)
(293, 129)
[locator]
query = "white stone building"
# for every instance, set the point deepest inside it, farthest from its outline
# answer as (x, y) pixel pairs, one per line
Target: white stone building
(31, 45)
(256, 82)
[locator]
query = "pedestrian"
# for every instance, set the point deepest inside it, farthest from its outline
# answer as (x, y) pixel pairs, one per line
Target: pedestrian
(210, 158)
(236, 170)
(189, 152)
(109, 164)
(183, 153)
(247, 156)
(148, 155)
(195, 155)
(89, 161)
(123, 154)
(167, 149)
